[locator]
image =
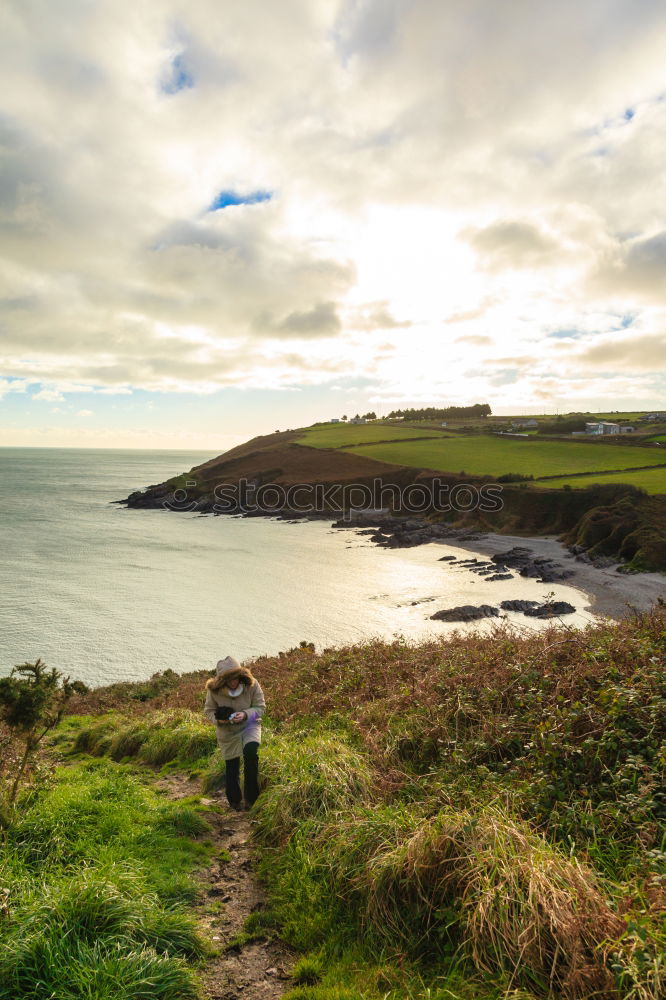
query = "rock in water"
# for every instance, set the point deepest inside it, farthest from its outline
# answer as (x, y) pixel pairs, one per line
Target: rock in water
(465, 613)
(518, 605)
(552, 610)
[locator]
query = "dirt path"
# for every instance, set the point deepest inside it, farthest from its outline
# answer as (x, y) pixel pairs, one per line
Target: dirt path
(256, 970)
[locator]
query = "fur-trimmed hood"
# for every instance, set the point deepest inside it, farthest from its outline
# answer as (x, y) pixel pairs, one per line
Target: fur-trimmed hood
(220, 680)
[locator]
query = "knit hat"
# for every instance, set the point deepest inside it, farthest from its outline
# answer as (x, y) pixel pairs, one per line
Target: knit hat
(227, 666)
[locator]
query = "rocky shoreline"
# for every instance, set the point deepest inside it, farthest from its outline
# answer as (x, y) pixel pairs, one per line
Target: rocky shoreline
(393, 532)
(611, 591)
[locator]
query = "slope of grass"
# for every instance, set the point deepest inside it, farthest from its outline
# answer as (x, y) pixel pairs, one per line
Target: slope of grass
(496, 456)
(466, 817)
(516, 818)
(349, 435)
(96, 879)
(178, 735)
(653, 481)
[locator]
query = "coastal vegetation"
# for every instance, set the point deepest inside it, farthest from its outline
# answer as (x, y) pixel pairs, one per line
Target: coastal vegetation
(473, 817)
(548, 484)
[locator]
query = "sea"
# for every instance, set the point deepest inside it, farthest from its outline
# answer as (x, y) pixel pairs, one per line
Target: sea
(105, 594)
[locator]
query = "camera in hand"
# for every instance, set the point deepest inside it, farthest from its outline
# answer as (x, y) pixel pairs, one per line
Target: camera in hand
(223, 713)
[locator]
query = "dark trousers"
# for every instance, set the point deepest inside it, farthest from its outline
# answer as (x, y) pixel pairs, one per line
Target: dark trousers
(250, 776)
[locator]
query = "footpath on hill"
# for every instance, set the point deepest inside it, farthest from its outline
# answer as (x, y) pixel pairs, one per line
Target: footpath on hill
(254, 967)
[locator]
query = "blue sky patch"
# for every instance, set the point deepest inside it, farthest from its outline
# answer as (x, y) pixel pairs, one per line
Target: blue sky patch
(179, 77)
(629, 114)
(226, 198)
(560, 334)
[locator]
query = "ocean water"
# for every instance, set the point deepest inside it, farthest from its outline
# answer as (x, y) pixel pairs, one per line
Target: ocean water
(104, 593)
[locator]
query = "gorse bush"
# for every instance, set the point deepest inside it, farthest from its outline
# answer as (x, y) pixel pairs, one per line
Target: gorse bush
(32, 703)
(96, 870)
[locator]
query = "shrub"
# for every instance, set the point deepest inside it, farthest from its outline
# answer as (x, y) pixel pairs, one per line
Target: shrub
(32, 703)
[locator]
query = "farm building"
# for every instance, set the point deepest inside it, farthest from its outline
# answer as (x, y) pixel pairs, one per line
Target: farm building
(602, 427)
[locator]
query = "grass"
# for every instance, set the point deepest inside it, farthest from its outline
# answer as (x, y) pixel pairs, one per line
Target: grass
(437, 885)
(513, 823)
(496, 456)
(653, 481)
(477, 817)
(178, 735)
(349, 435)
(97, 872)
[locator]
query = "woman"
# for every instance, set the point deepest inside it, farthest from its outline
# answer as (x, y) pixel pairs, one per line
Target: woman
(235, 703)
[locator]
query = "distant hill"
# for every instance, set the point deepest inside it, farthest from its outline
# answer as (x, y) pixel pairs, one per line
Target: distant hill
(538, 476)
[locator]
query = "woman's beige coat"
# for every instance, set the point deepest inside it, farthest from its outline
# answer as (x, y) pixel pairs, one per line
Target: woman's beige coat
(231, 736)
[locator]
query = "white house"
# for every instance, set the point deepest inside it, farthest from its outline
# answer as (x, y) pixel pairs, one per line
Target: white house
(335, 420)
(358, 420)
(602, 427)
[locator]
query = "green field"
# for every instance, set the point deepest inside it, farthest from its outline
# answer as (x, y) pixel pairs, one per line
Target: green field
(650, 480)
(347, 435)
(496, 456)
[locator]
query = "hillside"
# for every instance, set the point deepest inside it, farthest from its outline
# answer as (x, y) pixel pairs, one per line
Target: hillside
(462, 819)
(547, 485)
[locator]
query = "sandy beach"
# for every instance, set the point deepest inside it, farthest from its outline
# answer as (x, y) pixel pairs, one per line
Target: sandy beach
(611, 594)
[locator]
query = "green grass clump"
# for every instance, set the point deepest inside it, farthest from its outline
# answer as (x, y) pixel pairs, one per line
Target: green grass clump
(97, 873)
(310, 777)
(307, 971)
(160, 738)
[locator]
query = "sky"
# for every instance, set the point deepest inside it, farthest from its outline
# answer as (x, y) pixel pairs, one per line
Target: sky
(223, 219)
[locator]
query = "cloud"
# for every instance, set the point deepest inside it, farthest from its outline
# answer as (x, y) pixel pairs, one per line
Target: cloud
(225, 206)
(320, 321)
(512, 244)
(474, 340)
(375, 316)
(640, 353)
(636, 267)
(13, 385)
(50, 395)
(84, 413)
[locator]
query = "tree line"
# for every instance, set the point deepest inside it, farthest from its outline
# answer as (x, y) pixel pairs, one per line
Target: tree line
(442, 413)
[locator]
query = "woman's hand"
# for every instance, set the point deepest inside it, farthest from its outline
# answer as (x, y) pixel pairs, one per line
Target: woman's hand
(239, 717)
